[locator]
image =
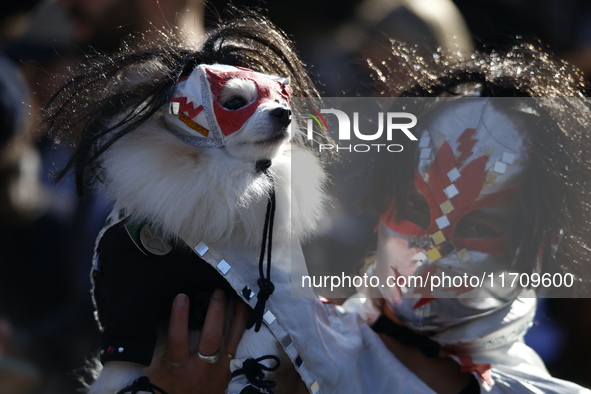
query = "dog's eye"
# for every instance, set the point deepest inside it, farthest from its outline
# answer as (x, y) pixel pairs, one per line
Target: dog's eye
(237, 93)
(235, 103)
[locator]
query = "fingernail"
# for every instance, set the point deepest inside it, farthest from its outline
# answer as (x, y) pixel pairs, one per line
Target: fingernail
(181, 300)
(218, 294)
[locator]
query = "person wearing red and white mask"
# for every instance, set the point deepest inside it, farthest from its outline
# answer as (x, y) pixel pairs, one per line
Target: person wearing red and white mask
(486, 192)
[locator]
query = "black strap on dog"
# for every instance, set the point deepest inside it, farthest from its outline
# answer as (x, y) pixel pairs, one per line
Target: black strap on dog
(141, 384)
(254, 371)
(266, 287)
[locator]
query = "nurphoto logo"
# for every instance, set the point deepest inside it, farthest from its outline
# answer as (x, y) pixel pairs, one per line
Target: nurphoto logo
(390, 122)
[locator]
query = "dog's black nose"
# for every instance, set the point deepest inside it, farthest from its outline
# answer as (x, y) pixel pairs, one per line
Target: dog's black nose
(283, 114)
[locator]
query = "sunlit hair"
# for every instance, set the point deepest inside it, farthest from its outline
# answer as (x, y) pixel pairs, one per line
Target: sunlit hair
(553, 217)
(95, 104)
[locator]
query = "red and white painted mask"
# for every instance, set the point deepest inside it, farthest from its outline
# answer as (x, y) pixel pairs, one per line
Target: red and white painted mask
(472, 156)
(200, 114)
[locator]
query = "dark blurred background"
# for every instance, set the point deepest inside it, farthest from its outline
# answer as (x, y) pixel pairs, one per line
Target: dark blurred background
(47, 330)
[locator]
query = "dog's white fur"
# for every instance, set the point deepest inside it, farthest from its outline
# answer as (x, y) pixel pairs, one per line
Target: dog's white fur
(212, 195)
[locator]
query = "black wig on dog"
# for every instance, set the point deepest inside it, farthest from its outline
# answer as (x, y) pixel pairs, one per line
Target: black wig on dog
(91, 106)
(554, 200)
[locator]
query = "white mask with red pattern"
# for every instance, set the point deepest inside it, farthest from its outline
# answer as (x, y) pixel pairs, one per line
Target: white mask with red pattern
(215, 102)
(471, 158)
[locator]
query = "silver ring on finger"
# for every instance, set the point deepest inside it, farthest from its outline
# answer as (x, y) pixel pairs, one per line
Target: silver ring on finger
(214, 358)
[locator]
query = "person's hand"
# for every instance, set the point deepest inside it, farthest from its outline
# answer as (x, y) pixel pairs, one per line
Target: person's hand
(183, 372)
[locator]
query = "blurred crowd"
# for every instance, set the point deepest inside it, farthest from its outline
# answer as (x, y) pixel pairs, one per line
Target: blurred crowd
(47, 329)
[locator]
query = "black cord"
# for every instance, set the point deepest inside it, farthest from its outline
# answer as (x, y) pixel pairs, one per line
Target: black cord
(266, 287)
(253, 369)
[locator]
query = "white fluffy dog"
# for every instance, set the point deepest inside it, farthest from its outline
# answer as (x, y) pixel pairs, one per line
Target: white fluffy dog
(163, 175)
(196, 156)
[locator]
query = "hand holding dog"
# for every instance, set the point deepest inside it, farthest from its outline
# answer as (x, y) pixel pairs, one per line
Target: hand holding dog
(183, 372)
